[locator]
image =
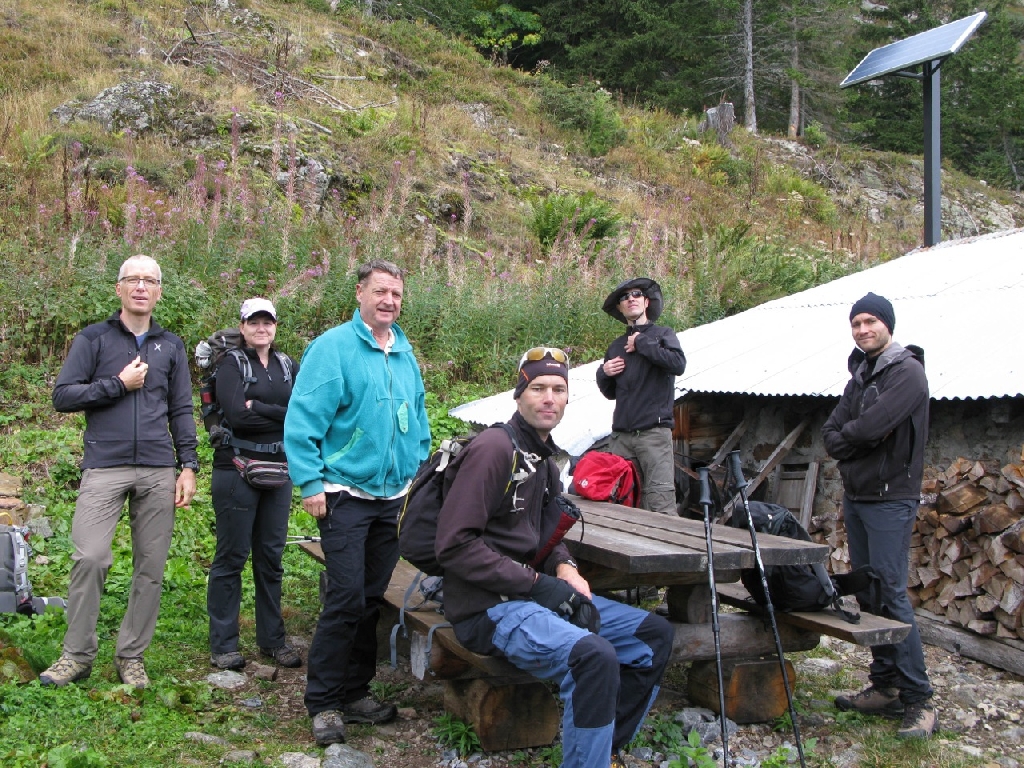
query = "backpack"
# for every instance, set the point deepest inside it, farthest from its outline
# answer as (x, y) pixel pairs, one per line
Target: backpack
(15, 589)
(417, 522)
(600, 476)
(209, 354)
(802, 587)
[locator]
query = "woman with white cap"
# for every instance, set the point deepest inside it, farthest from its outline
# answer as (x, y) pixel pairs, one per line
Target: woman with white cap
(250, 518)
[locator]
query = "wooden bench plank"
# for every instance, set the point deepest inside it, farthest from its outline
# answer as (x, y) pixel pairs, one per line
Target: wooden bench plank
(872, 630)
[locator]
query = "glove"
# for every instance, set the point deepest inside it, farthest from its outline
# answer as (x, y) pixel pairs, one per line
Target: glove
(586, 616)
(557, 595)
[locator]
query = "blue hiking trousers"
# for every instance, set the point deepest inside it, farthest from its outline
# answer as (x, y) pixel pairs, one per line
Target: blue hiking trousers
(607, 682)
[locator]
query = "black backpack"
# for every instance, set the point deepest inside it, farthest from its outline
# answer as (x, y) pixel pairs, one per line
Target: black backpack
(417, 523)
(209, 354)
(802, 587)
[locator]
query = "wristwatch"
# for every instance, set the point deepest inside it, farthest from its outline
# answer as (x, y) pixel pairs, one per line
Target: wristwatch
(571, 562)
(193, 465)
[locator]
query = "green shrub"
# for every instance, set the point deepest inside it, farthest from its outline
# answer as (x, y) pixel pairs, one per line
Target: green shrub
(814, 134)
(455, 734)
(585, 108)
(802, 197)
(585, 216)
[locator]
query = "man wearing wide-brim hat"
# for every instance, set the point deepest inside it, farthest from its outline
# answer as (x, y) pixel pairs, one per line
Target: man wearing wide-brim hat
(639, 374)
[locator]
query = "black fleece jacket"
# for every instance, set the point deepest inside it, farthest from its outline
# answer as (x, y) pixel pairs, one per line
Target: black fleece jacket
(262, 423)
(125, 428)
(644, 393)
(880, 426)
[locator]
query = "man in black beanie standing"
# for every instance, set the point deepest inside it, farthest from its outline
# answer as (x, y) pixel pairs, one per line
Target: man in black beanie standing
(877, 432)
(639, 374)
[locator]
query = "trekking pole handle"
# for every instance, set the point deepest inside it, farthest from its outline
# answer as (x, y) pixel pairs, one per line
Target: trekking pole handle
(705, 486)
(736, 468)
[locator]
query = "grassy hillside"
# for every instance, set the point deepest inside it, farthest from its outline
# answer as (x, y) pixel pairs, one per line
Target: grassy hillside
(267, 147)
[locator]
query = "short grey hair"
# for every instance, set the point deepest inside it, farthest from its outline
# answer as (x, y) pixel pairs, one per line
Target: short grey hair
(140, 259)
(379, 265)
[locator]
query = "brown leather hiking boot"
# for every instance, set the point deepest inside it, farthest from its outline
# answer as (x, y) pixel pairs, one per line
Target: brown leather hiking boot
(131, 671)
(919, 721)
(65, 670)
(872, 701)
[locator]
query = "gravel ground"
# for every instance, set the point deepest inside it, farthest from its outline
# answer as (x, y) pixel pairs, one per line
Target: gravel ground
(981, 714)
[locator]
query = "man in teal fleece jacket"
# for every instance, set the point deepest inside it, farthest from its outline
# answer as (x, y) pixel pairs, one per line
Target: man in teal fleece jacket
(355, 433)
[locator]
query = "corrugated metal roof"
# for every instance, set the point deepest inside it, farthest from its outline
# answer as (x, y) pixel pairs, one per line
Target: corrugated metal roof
(962, 301)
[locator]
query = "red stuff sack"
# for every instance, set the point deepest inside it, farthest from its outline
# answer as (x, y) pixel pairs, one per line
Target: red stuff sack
(606, 477)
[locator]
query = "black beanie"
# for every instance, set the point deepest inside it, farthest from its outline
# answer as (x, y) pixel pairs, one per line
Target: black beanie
(878, 306)
(531, 369)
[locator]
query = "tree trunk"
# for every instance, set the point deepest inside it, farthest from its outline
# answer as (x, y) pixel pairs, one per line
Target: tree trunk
(749, 112)
(794, 86)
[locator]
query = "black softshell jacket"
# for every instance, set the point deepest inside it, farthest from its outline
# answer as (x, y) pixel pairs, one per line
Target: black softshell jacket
(880, 426)
(140, 428)
(485, 532)
(644, 393)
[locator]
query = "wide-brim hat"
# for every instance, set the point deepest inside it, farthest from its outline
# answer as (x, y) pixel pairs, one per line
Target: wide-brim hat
(651, 290)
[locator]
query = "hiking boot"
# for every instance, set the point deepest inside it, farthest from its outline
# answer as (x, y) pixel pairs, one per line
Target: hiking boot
(284, 655)
(229, 660)
(131, 671)
(872, 701)
(328, 728)
(919, 721)
(617, 761)
(65, 670)
(366, 710)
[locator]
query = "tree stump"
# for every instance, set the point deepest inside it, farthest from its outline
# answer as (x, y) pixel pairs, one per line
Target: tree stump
(721, 120)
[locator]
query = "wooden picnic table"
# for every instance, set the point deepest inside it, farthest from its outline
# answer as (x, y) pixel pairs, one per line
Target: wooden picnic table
(621, 547)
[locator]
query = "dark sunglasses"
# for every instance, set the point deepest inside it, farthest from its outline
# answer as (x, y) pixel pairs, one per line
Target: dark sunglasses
(539, 353)
(636, 293)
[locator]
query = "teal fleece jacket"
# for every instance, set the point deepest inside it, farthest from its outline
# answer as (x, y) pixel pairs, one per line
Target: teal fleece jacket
(357, 416)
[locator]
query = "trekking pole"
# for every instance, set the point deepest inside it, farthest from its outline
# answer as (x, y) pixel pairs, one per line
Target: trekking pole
(736, 469)
(300, 538)
(705, 502)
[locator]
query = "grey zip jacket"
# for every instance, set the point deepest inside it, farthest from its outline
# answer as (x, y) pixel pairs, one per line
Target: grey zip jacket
(144, 427)
(880, 426)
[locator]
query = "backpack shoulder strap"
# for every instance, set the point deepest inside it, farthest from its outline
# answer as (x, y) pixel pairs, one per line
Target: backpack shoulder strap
(244, 367)
(286, 365)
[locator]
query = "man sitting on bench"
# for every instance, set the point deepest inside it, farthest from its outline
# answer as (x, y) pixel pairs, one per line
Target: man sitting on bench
(608, 658)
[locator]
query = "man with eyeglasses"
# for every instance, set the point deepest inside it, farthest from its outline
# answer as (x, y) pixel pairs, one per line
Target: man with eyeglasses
(606, 657)
(355, 433)
(131, 378)
(639, 374)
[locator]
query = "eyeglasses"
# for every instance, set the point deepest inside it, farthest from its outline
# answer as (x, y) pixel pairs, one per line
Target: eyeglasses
(539, 353)
(636, 293)
(149, 282)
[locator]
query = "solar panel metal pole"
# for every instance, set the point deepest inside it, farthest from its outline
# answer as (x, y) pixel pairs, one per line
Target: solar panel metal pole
(932, 155)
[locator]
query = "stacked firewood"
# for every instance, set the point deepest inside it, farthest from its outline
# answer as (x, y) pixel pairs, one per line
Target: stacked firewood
(967, 552)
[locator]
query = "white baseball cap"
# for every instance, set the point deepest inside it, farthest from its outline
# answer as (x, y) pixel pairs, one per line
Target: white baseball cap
(251, 307)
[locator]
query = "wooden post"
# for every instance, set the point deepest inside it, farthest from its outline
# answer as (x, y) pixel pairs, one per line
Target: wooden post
(506, 713)
(754, 691)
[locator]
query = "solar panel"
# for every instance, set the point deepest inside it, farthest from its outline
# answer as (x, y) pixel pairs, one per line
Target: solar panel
(938, 43)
